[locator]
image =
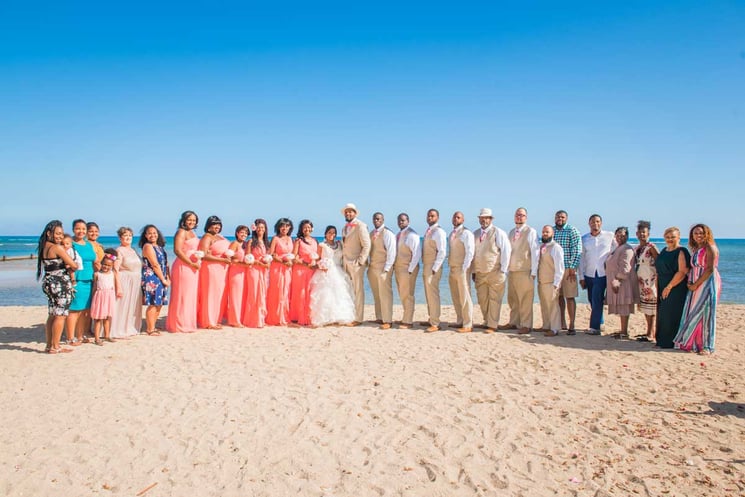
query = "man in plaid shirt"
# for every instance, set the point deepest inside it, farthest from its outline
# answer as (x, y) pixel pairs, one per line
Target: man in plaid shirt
(570, 240)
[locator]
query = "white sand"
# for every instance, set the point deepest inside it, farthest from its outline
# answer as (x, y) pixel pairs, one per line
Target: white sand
(360, 411)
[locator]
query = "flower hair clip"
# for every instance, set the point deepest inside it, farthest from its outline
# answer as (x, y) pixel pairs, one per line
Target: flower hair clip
(110, 257)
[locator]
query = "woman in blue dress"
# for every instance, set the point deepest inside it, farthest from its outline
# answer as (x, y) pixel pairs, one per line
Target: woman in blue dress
(79, 321)
(155, 279)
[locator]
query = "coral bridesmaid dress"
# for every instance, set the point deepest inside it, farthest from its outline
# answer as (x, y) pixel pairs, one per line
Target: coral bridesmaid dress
(212, 286)
(236, 289)
(254, 313)
(182, 310)
(301, 276)
(278, 293)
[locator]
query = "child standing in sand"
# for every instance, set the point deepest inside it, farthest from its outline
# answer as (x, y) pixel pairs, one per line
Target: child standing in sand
(106, 290)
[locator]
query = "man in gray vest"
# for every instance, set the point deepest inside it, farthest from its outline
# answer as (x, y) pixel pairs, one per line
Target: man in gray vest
(490, 265)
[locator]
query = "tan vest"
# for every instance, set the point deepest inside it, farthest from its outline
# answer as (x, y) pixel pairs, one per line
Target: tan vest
(429, 250)
(377, 250)
(457, 254)
(546, 266)
(486, 254)
(403, 252)
(520, 255)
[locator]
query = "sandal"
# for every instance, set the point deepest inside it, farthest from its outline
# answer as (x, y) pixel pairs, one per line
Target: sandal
(643, 338)
(109, 339)
(99, 342)
(153, 333)
(620, 336)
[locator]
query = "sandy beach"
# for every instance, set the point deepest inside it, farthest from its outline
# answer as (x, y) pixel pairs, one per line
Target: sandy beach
(342, 411)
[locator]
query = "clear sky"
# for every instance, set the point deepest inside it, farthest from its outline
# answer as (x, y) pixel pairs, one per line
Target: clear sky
(128, 113)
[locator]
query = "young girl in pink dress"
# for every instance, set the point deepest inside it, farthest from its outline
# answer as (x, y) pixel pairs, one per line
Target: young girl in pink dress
(280, 275)
(182, 309)
(213, 275)
(105, 289)
(236, 286)
(305, 251)
(254, 313)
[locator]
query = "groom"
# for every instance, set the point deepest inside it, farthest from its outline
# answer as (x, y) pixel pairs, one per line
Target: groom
(356, 249)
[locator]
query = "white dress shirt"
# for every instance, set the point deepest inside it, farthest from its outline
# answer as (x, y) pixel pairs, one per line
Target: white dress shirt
(595, 250)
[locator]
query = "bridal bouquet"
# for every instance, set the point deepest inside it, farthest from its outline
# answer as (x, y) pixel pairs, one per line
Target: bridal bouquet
(288, 257)
(267, 259)
(229, 253)
(249, 259)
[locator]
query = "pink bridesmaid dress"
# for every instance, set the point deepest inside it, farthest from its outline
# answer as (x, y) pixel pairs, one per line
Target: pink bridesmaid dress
(301, 275)
(278, 292)
(236, 289)
(254, 312)
(212, 282)
(182, 307)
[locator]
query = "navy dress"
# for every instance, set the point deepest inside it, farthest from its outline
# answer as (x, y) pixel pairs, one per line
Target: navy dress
(153, 290)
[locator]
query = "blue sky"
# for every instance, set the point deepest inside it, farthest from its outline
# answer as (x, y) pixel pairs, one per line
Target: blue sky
(130, 114)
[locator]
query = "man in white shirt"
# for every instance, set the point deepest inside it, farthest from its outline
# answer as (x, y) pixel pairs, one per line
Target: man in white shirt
(459, 261)
(490, 264)
(406, 268)
(522, 272)
(550, 275)
(596, 247)
(434, 249)
(382, 257)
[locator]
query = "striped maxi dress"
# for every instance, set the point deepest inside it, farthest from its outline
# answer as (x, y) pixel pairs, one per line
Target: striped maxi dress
(698, 326)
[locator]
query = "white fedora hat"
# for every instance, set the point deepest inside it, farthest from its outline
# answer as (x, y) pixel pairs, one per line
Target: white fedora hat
(350, 206)
(485, 212)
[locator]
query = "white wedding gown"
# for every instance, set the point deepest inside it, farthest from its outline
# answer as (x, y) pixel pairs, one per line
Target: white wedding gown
(331, 291)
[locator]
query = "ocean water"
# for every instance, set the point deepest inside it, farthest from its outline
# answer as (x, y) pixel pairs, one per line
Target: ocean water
(18, 285)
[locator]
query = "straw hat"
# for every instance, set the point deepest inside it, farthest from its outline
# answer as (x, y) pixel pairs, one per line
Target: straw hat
(485, 212)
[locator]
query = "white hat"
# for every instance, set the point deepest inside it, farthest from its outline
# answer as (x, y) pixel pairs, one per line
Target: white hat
(485, 212)
(350, 206)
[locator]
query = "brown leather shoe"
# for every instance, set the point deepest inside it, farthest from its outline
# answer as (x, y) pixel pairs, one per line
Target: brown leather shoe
(404, 326)
(385, 326)
(432, 329)
(523, 331)
(464, 330)
(354, 323)
(505, 327)
(489, 330)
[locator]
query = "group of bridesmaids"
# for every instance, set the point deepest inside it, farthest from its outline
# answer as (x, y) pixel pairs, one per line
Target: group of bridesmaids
(249, 282)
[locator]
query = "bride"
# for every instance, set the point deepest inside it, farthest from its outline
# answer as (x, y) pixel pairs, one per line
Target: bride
(330, 288)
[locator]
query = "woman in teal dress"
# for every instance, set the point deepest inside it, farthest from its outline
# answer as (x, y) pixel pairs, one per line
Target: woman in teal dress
(78, 321)
(672, 265)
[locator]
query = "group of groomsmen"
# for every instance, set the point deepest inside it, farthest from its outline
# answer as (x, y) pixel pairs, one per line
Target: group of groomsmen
(493, 259)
